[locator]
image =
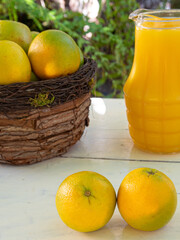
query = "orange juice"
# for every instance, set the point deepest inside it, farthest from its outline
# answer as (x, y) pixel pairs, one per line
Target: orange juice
(152, 90)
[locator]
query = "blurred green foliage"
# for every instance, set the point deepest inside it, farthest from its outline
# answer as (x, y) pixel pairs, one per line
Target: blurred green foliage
(111, 44)
(175, 4)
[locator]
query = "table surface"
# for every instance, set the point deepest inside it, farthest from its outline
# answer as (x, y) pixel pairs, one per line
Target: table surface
(27, 193)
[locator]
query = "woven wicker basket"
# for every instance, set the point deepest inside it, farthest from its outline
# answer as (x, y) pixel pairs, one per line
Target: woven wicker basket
(29, 133)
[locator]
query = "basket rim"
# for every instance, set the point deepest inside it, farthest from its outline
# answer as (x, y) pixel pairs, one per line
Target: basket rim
(64, 89)
(86, 61)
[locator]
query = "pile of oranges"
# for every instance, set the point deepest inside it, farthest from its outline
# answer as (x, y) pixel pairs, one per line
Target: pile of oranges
(28, 56)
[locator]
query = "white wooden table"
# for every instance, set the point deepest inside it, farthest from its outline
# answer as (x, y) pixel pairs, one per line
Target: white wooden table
(27, 193)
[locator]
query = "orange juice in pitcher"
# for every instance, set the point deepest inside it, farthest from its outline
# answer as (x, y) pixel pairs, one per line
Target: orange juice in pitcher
(152, 90)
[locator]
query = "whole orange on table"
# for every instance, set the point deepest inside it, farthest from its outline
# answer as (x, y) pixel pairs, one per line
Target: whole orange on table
(147, 199)
(85, 201)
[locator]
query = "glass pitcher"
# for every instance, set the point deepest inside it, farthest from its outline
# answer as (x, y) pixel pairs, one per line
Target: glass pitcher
(152, 90)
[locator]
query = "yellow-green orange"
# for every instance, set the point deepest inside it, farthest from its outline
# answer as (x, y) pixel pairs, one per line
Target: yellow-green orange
(53, 53)
(34, 78)
(34, 34)
(85, 201)
(147, 199)
(16, 32)
(14, 63)
(81, 57)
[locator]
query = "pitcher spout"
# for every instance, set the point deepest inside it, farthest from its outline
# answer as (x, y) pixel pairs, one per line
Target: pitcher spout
(156, 18)
(135, 15)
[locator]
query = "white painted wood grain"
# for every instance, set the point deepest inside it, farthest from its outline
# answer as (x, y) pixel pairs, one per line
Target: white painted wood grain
(27, 200)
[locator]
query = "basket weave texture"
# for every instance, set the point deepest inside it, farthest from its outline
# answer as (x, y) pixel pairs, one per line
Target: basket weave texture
(30, 134)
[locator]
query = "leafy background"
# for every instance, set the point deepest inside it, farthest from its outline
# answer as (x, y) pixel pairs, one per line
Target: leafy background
(111, 43)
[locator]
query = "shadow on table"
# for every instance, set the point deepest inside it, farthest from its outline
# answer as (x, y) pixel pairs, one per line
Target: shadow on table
(108, 232)
(131, 233)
